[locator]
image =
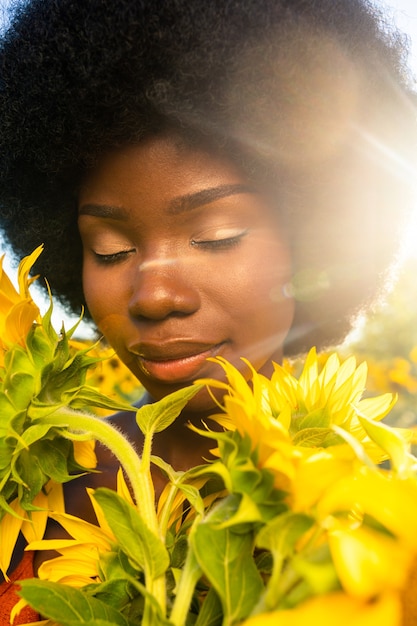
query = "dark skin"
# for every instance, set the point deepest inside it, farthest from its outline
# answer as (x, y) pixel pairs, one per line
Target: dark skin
(183, 260)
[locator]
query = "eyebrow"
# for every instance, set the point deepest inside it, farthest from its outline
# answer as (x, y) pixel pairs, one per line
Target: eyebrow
(103, 210)
(194, 200)
(178, 205)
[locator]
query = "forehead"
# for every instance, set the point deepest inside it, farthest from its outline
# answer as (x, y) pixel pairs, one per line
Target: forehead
(163, 167)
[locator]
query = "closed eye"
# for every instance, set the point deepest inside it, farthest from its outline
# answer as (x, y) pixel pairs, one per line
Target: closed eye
(114, 257)
(219, 244)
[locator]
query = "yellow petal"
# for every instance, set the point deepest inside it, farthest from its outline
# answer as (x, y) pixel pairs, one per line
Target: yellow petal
(84, 454)
(7, 290)
(336, 608)
(33, 528)
(58, 545)
(19, 607)
(25, 266)
(122, 488)
(391, 501)
(10, 527)
(316, 472)
(99, 513)
(83, 531)
(19, 321)
(55, 493)
(364, 560)
(376, 408)
(79, 565)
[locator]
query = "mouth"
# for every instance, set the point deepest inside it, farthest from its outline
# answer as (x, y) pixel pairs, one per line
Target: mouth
(176, 362)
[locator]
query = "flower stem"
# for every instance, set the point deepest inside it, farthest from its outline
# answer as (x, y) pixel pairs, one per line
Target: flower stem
(137, 470)
(190, 575)
(125, 453)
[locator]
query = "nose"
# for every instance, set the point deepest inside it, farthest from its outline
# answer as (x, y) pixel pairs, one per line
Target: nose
(163, 288)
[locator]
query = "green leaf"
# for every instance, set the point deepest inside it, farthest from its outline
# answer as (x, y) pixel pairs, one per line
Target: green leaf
(32, 434)
(226, 559)
(282, 533)
(47, 322)
(20, 389)
(40, 347)
(246, 478)
(17, 360)
(116, 592)
(99, 622)
(6, 453)
(320, 418)
(318, 570)
(86, 396)
(389, 440)
(179, 551)
(193, 496)
(68, 606)
(70, 377)
(133, 536)
(114, 565)
(280, 536)
(153, 418)
(7, 412)
(53, 457)
(4, 506)
(311, 437)
(211, 613)
(30, 477)
(243, 509)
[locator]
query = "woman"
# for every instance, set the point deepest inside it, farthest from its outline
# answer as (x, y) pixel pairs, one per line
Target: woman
(208, 178)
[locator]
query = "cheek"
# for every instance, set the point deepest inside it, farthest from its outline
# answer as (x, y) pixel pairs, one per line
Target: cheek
(265, 300)
(266, 271)
(91, 291)
(268, 307)
(104, 298)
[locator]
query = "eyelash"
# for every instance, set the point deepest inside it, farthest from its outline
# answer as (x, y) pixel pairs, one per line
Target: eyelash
(110, 259)
(219, 244)
(211, 244)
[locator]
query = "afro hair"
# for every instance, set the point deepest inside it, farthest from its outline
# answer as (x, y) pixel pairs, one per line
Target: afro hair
(311, 98)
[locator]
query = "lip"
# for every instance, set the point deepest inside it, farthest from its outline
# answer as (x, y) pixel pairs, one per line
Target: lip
(175, 362)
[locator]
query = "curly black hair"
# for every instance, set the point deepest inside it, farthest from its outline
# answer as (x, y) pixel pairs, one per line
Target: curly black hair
(310, 97)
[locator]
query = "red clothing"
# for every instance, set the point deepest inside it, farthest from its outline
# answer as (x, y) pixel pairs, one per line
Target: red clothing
(9, 597)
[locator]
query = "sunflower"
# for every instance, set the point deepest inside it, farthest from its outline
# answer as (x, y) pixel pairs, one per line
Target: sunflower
(18, 311)
(322, 441)
(83, 552)
(308, 430)
(42, 389)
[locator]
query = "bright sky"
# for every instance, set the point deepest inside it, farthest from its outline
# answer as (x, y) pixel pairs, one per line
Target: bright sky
(402, 12)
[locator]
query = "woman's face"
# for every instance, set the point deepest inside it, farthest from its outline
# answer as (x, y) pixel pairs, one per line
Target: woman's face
(183, 260)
